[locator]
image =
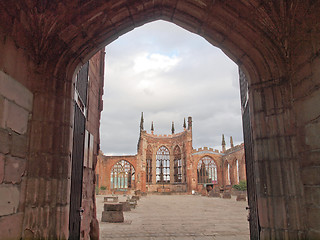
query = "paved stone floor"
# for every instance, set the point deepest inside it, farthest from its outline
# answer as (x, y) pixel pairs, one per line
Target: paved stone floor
(178, 217)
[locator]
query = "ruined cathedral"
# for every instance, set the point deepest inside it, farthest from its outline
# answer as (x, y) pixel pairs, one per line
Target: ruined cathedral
(168, 163)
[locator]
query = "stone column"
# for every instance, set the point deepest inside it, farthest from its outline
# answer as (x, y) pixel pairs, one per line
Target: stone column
(278, 184)
(49, 160)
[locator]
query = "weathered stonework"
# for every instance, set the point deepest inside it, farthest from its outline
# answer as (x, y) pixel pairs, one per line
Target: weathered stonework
(275, 43)
(189, 157)
(15, 111)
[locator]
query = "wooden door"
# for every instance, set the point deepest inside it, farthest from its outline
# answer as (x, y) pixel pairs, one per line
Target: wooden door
(78, 152)
(250, 166)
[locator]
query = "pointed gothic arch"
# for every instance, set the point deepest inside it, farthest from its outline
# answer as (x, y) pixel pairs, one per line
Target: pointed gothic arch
(122, 175)
(149, 164)
(177, 164)
(207, 170)
(276, 42)
(163, 165)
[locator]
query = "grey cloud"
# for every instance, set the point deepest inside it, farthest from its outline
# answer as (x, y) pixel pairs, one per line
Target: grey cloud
(204, 85)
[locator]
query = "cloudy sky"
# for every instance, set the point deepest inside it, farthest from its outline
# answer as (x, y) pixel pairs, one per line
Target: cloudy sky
(168, 74)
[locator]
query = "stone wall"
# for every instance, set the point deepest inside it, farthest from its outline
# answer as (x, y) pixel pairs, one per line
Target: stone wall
(189, 156)
(15, 111)
(276, 43)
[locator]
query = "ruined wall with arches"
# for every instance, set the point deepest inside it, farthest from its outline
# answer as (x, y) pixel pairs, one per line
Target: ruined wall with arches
(168, 163)
(104, 169)
(276, 43)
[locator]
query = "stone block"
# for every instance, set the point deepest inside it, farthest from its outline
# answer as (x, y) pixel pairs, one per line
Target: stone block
(15, 91)
(18, 145)
(310, 176)
(11, 226)
(135, 198)
(204, 192)
(14, 169)
(126, 206)
(137, 192)
(110, 199)
(212, 193)
(113, 207)
(241, 197)
(3, 111)
(313, 234)
(313, 217)
(312, 131)
(312, 195)
(112, 216)
(17, 118)
(226, 195)
(4, 141)
(132, 204)
(2, 159)
(9, 200)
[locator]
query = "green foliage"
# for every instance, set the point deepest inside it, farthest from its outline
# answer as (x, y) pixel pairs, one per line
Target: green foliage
(242, 186)
(103, 188)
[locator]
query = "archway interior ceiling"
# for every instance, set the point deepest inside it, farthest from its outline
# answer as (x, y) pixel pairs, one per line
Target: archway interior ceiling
(56, 34)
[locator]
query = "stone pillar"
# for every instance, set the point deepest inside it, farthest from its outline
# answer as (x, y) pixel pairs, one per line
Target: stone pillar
(154, 164)
(278, 184)
(49, 160)
(306, 95)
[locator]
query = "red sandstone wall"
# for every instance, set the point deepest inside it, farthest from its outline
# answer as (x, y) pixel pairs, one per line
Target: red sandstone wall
(16, 103)
(105, 163)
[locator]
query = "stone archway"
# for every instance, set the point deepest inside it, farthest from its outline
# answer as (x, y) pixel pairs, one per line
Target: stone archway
(277, 45)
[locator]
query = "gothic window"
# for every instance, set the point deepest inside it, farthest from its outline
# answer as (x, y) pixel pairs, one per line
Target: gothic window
(163, 165)
(207, 171)
(228, 175)
(149, 164)
(122, 175)
(238, 176)
(177, 165)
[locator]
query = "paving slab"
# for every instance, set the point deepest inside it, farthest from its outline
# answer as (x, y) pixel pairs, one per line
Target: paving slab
(175, 217)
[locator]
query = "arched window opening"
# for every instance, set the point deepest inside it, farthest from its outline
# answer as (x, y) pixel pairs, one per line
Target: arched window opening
(228, 182)
(122, 175)
(177, 165)
(238, 175)
(207, 171)
(149, 165)
(163, 165)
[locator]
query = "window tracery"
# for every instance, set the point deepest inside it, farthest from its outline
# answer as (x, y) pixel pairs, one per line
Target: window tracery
(149, 165)
(207, 171)
(177, 165)
(163, 165)
(122, 175)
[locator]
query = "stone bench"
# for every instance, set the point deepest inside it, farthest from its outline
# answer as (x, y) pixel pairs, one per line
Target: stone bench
(137, 192)
(226, 195)
(111, 199)
(132, 203)
(126, 206)
(135, 198)
(113, 213)
(241, 197)
(213, 193)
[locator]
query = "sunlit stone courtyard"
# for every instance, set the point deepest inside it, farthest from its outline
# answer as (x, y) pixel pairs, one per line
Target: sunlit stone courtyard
(179, 217)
